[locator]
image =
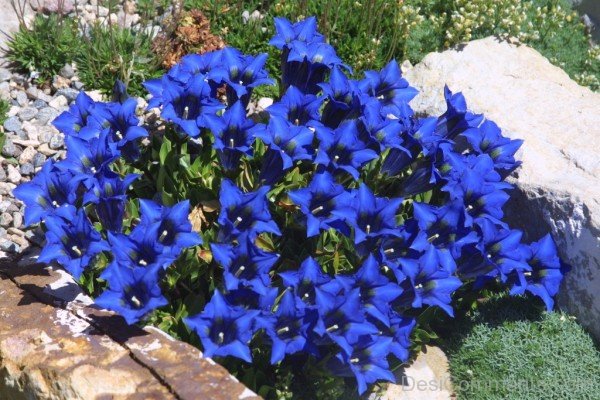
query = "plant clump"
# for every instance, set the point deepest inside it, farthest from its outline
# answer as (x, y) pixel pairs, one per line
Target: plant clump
(186, 33)
(324, 234)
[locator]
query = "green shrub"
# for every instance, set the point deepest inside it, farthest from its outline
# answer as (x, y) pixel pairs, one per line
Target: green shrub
(369, 33)
(509, 349)
(111, 52)
(45, 47)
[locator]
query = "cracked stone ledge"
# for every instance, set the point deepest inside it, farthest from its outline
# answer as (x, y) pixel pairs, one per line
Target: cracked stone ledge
(54, 344)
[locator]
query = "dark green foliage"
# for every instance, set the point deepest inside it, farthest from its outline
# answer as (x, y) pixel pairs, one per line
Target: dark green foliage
(4, 107)
(509, 349)
(367, 34)
(111, 53)
(46, 47)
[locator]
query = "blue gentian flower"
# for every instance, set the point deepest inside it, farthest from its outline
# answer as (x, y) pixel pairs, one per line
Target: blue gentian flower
(344, 99)
(432, 279)
(388, 87)
(318, 201)
(125, 128)
(242, 73)
(286, 327)
(376, 291)
(173, 226)
(374, 216)
(233, 135)
(71, 240)
(133, 291)
(286, 32)
(306, 280)
(244, 264)
(298, 108)
(368, 360)
(341, 150)
(487, 138)
(108, 193)
(224, 330)
(287, 144)
(401, 329)
(49, 189)
(244, 212)
(341, 317)
(547, 272)
(91, 156)
(83, 119)
(456, 120)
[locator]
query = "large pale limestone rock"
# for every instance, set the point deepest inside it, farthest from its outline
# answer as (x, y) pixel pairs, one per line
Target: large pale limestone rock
(558, 186)
(55, 346)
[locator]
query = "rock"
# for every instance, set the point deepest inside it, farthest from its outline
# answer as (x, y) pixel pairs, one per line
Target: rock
(129, 7)
(6, 188)
(46, 150)
(17, 219)
(67, 71)
(95, 95)
(5, 220)
(27, 113)
(4, 74)
(62, 7)
(27, 169)
(39, 104)
(46, 115)
(427, 378)
(12, 124)
(35, 94)
(70, 94)
(9, 149)
(13, 174)
(263, 103)
(53, 345)
(2, 177)
(22, 99)
(27, 155)
(57, 142)
(102, 11)
(45, 133)
(38, 160)
(558, 185)
(4, 204)
(58, 82)
(77, 85)
(9, 247)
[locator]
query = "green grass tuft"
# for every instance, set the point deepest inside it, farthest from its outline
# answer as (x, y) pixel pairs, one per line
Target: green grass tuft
(46, 47)
(511, 350)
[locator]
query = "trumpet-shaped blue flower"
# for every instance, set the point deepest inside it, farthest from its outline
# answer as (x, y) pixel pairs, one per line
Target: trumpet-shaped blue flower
(547, 272)
(368, 361)
(318, 202)
(83, 119)
(242, 73)
(71, 240)
(303, 31)
(108, 193)
(233, 135)
(297, 107)
(306, 280)
(244, 212)
(341, 150)
(286, 327)
(224, 330)
(48, 190)
(244, 264)
(287, 144)
(388, 87)
(344, 99)
(375, 216)
(174, 230)
(133, 291)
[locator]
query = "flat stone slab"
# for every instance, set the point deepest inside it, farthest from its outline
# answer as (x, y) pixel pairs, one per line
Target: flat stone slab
(55, 345)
